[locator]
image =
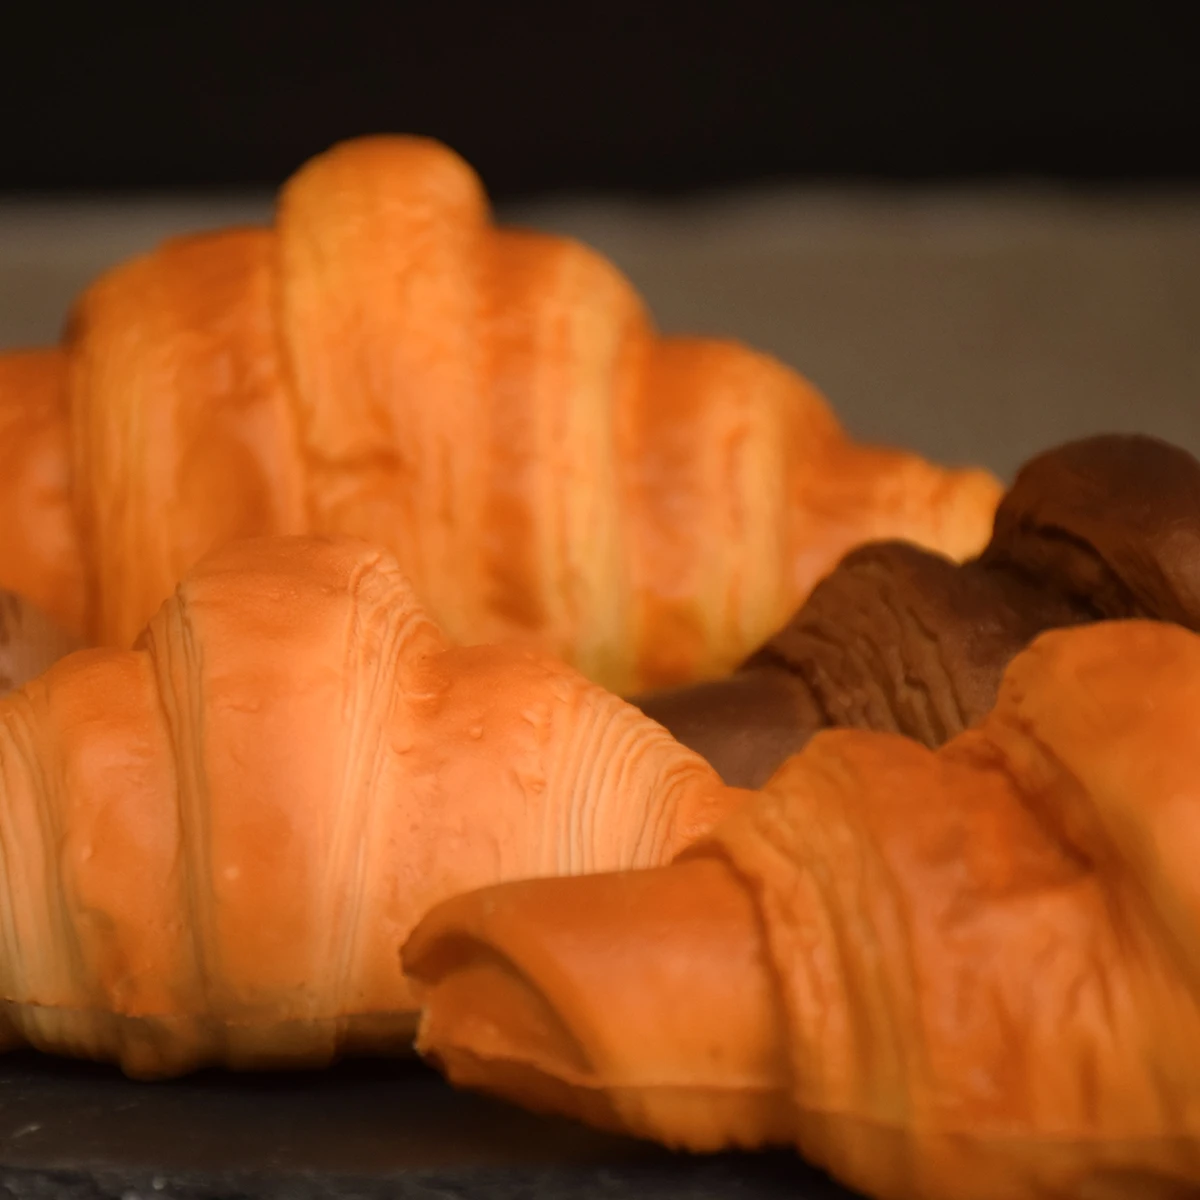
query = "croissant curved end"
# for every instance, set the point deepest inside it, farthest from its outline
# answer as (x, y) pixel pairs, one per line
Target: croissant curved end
(531, 993)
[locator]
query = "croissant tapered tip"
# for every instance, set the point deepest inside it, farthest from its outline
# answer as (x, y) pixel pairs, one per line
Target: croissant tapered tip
(581, 997)
(964, 518)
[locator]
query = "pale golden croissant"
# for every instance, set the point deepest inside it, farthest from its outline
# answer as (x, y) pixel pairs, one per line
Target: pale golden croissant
(491, 405)
(212, 844)
(969, 974)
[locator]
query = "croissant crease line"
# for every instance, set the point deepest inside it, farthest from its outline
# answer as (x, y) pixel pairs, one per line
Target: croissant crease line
(493, 406)
(979, 961)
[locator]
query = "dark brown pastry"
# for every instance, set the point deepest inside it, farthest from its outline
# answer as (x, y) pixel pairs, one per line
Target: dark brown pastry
(902, 640)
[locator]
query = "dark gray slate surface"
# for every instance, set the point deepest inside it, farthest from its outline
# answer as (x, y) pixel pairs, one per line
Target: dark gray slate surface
(364, 1129)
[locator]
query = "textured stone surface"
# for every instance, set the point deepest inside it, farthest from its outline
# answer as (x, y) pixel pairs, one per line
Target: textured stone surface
(80, 1132)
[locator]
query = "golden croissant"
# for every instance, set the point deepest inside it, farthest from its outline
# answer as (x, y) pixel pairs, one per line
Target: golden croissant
(491, 405)
(963, 974)
(213, 843)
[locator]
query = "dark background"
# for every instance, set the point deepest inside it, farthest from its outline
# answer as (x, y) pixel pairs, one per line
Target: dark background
(616, 96)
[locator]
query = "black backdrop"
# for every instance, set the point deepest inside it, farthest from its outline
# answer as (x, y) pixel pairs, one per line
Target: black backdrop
(618, 95)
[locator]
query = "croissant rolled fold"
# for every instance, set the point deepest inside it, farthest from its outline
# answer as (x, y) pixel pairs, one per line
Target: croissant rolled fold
(963, 974)
(212, 844)
(492, 405)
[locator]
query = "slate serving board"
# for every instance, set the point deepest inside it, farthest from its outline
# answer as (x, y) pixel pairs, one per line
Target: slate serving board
(368, 1129)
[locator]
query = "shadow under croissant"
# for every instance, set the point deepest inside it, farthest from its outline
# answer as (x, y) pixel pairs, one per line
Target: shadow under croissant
(904, 640)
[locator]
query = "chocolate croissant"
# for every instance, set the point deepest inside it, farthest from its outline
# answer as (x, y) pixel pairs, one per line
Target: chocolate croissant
(491, 405)
(902, 639)
(213, 843)
(963, 974)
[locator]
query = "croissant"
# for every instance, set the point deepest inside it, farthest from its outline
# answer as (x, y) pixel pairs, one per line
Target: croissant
(491, 405)
(213, 842)
(971, 973)
(902, 639)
